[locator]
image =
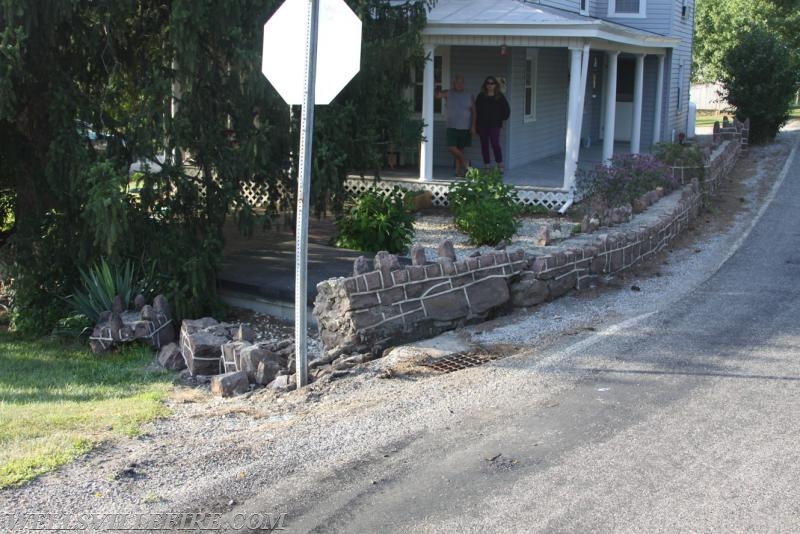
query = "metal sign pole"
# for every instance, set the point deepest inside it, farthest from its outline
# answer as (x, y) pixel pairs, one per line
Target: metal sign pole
(303, 187)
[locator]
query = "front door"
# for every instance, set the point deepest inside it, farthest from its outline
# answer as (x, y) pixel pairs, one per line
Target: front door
(623, 124)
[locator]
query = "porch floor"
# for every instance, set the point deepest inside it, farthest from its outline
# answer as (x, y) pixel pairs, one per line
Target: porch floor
(545, 173)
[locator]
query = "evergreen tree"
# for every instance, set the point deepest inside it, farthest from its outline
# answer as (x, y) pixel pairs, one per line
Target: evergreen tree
(75, 69)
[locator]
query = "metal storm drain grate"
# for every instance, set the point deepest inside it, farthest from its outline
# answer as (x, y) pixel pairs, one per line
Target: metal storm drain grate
(456, 362)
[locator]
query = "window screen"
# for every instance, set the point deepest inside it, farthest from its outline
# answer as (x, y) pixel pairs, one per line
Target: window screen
(627, 6)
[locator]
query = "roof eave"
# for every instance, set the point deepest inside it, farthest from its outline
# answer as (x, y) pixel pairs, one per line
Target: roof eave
(594, 30)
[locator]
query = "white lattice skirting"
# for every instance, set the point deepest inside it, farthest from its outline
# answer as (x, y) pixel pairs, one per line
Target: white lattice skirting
(552, 199)
(258, 195)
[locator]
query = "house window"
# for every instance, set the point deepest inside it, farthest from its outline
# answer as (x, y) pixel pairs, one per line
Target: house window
(626, 8)
(440, 73)
(584, 7)
(531, 61)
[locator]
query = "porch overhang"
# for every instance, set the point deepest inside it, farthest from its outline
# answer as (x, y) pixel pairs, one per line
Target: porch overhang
(516, 23)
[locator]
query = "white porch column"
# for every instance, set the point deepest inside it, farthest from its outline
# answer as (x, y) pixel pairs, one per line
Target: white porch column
(578, 69)
(638, 90)
(659, 100)
(611, 107)
(426, 147)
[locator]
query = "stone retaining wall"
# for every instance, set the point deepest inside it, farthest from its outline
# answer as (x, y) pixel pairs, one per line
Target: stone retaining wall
(371, 311)
(368, 312)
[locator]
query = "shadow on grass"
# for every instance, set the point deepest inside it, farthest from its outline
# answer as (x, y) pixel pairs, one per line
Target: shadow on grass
(52, 371)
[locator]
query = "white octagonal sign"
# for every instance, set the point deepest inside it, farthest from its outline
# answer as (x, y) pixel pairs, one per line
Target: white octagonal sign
(286, 35)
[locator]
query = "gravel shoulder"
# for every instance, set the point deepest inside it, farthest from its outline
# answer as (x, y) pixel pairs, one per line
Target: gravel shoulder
(212, 454)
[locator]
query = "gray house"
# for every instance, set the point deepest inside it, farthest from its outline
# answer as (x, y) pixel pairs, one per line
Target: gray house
(586, 79)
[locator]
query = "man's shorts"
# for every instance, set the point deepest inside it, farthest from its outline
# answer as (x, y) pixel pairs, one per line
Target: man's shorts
(458, 138)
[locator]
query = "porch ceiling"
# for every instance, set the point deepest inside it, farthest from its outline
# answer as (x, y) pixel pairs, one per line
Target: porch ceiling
(458, 21)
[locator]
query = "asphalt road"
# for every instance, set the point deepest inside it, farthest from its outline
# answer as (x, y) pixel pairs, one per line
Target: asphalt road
(686, 419)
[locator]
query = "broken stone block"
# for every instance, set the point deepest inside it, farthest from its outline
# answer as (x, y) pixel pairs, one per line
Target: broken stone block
(117, 306)
(201, 351)
(230, 384)
(360, 266)
(148, 313)
(115, 324)
(141, 330)
(170, 357)
(543, 236)
(164, 333)
(266, 372)
(231, 354)
(251, 356)
(244, 332)
(418, 255)
(100, 341)
(161, 305)
(446, 250)
(282, 383)
(125, 333)
(386, 262)
(528, 291)
(193, 325)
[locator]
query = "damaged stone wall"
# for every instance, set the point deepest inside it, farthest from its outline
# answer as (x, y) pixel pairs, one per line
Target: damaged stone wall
(371, 310)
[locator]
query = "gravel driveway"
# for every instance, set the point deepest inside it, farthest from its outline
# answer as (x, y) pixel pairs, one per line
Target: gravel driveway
(212, 454)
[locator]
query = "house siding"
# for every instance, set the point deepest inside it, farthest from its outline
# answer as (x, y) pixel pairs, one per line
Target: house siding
(474, 63)
(649, 101)
(567, 5)
(545, 135)
(598, 9)
(677, 71)
(593, 102)
(657, 19)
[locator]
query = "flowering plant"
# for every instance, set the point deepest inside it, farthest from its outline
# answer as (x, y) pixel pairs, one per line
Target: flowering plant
(626, 178)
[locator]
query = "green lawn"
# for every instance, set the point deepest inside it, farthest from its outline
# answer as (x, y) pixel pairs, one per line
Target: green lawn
(708, 117)
(58, 401)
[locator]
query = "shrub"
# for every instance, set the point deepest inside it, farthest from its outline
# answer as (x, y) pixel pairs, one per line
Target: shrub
(625, 179)
(679, 155)
(484, 207)
(534, 209)
(374, 221)
(760, 79)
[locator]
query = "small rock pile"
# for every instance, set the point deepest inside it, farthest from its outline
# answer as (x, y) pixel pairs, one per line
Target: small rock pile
(151, 324)
(231, 356)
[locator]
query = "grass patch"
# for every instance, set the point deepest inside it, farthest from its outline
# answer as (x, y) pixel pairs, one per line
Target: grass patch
(58, 401)
(707, 117)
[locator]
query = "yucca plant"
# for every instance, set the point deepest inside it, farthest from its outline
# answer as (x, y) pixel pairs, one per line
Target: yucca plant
(101, 283)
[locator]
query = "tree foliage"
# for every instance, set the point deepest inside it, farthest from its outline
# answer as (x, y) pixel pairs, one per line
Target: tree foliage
(720, 24)
(764, 99)
(75, 69)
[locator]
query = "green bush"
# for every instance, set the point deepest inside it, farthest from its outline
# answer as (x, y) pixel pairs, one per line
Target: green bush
(679, 155)
(760, 80)
(534, 209)
(374, 221)
(484, 207)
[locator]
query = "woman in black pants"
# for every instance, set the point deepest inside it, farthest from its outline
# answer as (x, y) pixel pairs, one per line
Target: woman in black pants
(491, 109)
